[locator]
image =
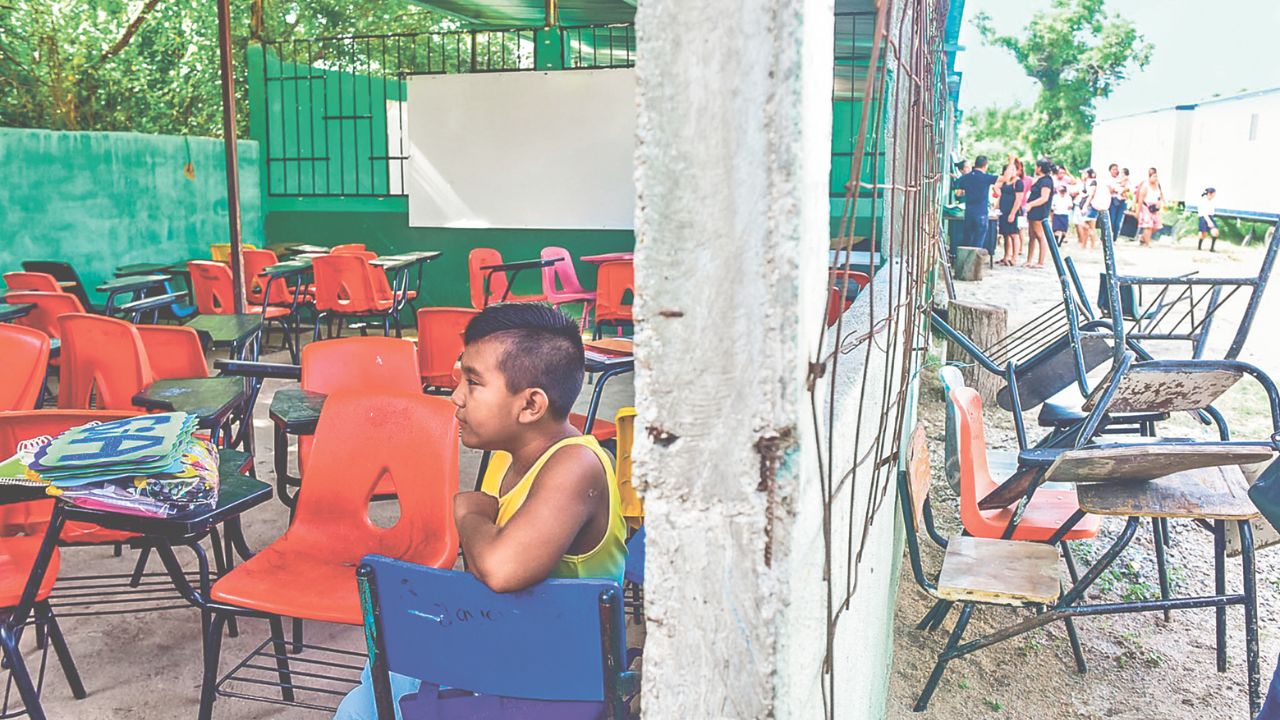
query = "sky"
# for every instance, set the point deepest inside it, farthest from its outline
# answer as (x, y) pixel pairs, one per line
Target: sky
(1200, 48)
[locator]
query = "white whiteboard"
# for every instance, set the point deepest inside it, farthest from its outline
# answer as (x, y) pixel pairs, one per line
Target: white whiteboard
(522, 150)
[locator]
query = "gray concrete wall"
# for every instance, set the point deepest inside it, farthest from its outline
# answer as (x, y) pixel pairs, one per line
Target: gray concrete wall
(733, 152)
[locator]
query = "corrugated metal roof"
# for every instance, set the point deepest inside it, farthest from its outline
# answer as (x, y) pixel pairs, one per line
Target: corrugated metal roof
(532, 13)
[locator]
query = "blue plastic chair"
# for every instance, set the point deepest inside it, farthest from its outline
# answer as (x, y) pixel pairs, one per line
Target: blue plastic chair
(554, 650)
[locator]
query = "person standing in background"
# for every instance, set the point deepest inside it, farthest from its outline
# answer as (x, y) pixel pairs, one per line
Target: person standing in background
(1119, 186)
(1150, 203)
(1208, 223)
(1010, 188)
(1085, 214)
(1038, 213)
(1061, 208)
(975, 186)
(1100, 204)
(1024, 184)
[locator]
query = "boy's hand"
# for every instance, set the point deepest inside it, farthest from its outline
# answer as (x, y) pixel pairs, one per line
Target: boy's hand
(475, 503)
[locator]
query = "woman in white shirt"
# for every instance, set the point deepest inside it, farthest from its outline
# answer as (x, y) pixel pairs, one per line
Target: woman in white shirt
(1061, 213)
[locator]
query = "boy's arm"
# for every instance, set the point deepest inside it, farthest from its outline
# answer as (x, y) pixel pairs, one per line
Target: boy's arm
(527, 548)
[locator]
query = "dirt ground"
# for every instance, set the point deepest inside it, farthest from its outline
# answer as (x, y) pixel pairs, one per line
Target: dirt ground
(148, 666)
(1139, 665)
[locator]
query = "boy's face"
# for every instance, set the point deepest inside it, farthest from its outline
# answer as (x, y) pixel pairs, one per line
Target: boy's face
(488, 413)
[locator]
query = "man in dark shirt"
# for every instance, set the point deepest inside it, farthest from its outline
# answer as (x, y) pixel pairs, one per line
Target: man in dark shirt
(976, 185)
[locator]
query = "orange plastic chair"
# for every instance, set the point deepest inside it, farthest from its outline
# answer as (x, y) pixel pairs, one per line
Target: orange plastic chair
(255, 288)
(836, 300)
(26, 358)
(632, 504)
(104, 358)
(381, 283)
(362, 438)
(613, 281)
(173, 351)
(48, 307)
(440, 343)
(358, 364)
(560, 282)
(485, 257)
(31, 518)
(211, 284)
(1049, 508)
(348, 247)
(344, 286)
(32, 282)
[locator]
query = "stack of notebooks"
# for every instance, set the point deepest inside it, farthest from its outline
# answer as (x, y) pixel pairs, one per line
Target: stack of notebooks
(609, 350)
(147, 465)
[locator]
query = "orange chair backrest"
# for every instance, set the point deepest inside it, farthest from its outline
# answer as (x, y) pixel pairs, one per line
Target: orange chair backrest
(104, 358)
(49, 306)
(836, 302)
(975, 475)
(26, 356)
(174, 352)
(613, 281)
(32, 281)
(440, 342)
(479, 258)
(365, 364)
(377, 274)
(362, 437)
(560, 278)
(211, 284)
(343, 284)
(348, 247)
(255, 287)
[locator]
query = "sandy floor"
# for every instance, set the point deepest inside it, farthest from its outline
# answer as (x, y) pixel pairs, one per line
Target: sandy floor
(1139, 665)
(149, 665)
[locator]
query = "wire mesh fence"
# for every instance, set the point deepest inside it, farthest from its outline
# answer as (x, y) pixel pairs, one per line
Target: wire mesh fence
(894, 192)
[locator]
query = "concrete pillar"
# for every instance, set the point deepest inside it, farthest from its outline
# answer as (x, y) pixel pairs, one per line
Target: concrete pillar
(734, 103)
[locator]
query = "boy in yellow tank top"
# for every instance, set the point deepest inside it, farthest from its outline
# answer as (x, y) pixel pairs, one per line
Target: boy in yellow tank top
(549, 506)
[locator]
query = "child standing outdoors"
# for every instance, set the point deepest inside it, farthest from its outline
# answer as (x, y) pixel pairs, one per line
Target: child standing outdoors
(550, 505)
(1208, 224)
(1061, 208)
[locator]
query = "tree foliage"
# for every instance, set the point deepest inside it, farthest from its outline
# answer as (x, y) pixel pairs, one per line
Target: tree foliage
(1078, 53)
(996, 132)
(152, 65)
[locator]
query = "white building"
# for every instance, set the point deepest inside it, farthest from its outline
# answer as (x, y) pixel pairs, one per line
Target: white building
(1227, 143)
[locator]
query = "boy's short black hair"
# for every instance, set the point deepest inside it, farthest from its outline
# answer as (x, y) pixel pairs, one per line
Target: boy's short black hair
(543, 350)
(980, 161)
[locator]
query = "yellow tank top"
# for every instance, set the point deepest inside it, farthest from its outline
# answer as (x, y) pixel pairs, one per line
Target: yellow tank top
(609, 558)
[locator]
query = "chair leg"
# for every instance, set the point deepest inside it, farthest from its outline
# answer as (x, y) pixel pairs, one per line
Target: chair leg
(18, 673)
(1071, 562)
(1162, 570)
(1081, 666)
(63, 652)
(282, 659)
(1250, 617)
(1220, 588)
(212, 653)
(931, 616)
(315, 333)
(923, 703)
(140, 567)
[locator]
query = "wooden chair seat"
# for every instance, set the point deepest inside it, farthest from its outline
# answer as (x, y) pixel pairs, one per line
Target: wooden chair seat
(999, 572)
(1214, 493)
(1167, 386)
(1132, 462)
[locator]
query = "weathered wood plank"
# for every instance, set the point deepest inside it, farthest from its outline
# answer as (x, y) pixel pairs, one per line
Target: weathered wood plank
(1122, 462)
(1000, 572)
(918, 472)
(1215, 493)
(1165, 389)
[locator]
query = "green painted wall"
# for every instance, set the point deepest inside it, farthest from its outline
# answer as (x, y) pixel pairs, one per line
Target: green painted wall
(99, 200)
